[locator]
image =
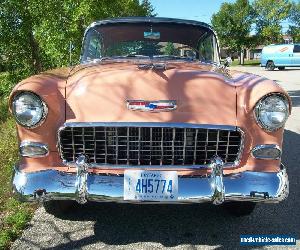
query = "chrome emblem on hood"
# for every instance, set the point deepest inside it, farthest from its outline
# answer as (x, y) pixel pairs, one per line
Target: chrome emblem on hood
(151, 106)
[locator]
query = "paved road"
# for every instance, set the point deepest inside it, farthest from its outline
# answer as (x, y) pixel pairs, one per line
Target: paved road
(114, 226)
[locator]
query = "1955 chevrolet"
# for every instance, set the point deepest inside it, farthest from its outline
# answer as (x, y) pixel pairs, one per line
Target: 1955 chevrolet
(150, 115)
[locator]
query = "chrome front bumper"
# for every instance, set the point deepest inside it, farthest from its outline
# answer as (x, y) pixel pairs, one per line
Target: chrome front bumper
(84, 186)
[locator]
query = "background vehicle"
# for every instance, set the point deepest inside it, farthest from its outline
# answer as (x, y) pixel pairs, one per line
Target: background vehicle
(280, 56)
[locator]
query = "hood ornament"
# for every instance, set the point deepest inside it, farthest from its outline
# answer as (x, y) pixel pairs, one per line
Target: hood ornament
(151, 106)
(153, 66)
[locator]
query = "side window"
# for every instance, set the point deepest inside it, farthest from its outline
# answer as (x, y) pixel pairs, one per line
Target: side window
(296, 48)
(93, 46)
(206, 49)
(94, 50)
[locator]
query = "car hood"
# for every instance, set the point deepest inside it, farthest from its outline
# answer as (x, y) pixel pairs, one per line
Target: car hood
(98, 93)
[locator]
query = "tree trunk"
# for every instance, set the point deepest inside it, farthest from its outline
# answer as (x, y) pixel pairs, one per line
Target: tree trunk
(35, 59)
(34, 55)
(242, 57)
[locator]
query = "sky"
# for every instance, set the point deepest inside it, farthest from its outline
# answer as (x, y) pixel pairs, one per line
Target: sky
(200, 10)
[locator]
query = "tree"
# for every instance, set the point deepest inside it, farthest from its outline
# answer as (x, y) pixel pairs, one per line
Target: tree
(170, 50)
(149, 9)
(35, 34)
(268, 17)
(294, 18)
(149, 48)
(17, 42)
(233, 25)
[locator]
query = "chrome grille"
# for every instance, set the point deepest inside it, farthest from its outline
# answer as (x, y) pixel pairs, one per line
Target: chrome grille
(149, 145)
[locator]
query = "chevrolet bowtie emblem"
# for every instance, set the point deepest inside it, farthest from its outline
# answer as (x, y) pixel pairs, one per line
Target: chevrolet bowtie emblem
(151, 106)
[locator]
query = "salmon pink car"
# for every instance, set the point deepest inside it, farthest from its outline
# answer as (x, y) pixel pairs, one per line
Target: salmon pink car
(150, 115)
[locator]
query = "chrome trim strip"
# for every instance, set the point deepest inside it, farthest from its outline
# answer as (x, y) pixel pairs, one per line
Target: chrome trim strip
(139, 144)
(105, 134)
(195, 145)
(148, 124)
(127, 151)
(151, 124)
(184, 146)
(35, 144)
(173, 144)
(56, 185)
(158, 167)
(117, 145)
(273, 146)
(206, 144)
(227, 145)
(73, 145)
(242, 145)
(95, 144)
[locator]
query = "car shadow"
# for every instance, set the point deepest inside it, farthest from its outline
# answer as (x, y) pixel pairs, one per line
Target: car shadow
(286, 69)
(188, 225)
(291, 69)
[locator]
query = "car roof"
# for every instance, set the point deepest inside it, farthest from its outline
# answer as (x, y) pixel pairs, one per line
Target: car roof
(150, 20)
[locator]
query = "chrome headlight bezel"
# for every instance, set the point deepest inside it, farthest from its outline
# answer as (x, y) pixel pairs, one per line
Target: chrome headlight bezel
(43, 106)
(257, 109)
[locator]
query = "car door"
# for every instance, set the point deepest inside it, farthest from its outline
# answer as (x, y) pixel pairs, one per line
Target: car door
(296, 55)
(282, 55)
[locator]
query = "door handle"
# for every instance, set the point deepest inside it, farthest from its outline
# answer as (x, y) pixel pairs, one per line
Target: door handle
(291, 55)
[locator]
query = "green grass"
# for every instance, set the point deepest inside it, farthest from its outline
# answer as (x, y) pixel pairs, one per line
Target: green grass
(246, 63)
(14, 215)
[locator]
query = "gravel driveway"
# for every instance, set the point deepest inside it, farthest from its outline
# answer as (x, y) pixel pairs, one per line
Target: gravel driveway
(117, 226)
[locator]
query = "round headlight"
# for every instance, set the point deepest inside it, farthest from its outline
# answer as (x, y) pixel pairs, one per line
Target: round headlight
(29, 110)
(272, 111)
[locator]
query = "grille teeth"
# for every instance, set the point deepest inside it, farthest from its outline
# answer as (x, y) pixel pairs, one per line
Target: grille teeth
(149, 145)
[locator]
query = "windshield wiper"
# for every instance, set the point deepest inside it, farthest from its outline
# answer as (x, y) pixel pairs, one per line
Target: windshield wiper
(135, 56)
(172, 57)
(153, 66)
(165, 57)
(96, 60)
(107, 58)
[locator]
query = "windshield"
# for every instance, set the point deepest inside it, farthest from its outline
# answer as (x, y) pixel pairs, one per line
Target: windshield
(162, 41)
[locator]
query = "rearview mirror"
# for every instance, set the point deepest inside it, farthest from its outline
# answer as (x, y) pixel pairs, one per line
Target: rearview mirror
(152, 35)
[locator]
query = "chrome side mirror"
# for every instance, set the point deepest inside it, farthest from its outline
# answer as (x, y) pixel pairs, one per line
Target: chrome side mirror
(227, 61)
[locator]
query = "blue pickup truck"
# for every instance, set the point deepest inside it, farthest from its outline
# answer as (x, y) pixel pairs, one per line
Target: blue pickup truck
(280, 56)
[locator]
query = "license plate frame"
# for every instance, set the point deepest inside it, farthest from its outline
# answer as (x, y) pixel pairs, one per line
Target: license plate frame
(147, 185)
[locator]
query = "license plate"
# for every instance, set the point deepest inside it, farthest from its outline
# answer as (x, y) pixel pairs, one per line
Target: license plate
(144, 185)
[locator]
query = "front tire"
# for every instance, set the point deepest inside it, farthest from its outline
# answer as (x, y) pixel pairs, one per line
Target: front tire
(270, 66)
(239, 208)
